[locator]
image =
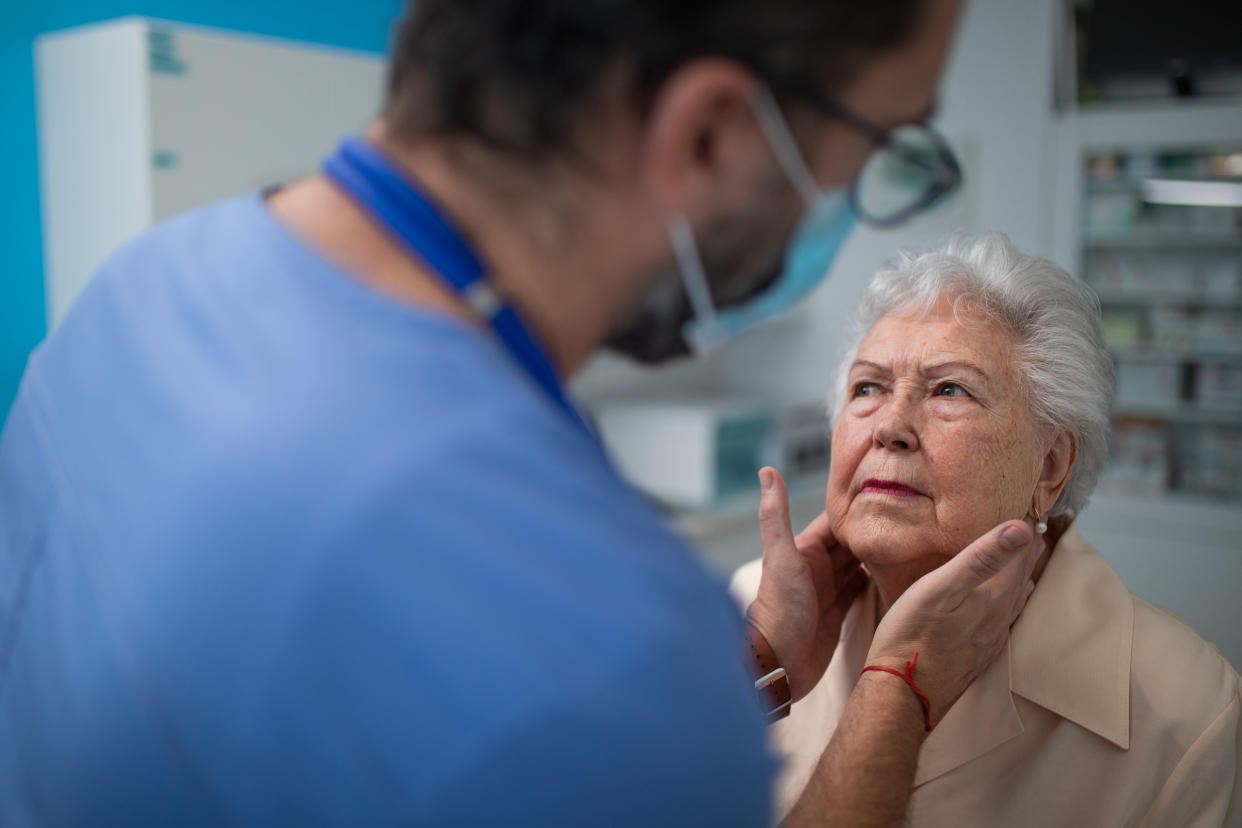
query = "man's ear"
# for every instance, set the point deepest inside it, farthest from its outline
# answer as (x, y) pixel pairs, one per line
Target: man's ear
(1059, 460)
(701, 134)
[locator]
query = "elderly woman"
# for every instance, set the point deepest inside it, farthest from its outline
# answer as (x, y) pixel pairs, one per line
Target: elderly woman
(978, 393)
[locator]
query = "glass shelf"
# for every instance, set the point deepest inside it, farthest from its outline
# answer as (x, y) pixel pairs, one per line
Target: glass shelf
(1119, 297)
(1179, 414)
(1158, 354)
(1165, 241)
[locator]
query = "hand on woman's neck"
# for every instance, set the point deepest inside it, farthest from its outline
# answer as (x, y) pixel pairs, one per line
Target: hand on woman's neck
(891, 585)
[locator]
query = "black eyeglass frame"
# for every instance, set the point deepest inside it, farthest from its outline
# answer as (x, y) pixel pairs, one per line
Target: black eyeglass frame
(945, 175)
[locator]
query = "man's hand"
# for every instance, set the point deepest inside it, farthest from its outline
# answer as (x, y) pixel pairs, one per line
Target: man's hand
(957, 617)
(807, 585)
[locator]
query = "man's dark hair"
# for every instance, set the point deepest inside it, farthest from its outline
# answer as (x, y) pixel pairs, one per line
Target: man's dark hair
(516, 74)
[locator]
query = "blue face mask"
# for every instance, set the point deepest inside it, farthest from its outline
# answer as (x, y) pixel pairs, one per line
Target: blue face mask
(820, 233)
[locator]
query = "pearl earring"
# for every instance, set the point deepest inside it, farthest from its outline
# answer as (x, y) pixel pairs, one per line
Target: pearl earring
(1040, 526)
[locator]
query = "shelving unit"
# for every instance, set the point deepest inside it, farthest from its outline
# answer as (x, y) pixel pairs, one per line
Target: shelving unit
(1177, 416)
(1169, 280)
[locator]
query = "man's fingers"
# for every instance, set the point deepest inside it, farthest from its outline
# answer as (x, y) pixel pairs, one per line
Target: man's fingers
(1020, 603)
(855, 584)
(842, 559)
(988, 557)
(850, 570)
(774, 528)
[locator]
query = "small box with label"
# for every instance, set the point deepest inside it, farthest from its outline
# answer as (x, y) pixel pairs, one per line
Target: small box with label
(1148, 384)
(1218, 386)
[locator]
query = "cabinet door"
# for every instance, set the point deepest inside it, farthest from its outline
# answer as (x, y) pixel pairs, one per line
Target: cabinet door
(233, 114)
(94, 175)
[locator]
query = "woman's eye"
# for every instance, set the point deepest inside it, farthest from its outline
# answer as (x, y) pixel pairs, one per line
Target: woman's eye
(865, 389)
(951, 389)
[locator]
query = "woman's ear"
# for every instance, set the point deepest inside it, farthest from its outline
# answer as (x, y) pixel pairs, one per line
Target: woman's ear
(1059, 460)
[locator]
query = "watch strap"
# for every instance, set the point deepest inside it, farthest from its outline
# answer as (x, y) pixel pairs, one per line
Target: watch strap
(771, 681)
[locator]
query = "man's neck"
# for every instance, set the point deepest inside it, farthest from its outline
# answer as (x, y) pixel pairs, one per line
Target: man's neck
(543, 260)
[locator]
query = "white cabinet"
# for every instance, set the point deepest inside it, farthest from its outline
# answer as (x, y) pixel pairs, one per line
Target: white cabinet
(140, 119)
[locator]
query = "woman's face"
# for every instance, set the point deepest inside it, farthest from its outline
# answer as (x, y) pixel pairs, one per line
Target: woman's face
(934, 445)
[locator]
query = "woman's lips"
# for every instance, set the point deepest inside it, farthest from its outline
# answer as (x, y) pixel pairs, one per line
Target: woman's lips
(889, 487)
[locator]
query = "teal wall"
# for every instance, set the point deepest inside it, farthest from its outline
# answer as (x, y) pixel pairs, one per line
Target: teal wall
(361, 24)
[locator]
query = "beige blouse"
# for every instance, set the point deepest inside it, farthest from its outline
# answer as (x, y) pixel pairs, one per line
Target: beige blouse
(1104, 710)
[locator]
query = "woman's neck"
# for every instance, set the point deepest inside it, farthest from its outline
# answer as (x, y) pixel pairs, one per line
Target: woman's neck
(891, 585)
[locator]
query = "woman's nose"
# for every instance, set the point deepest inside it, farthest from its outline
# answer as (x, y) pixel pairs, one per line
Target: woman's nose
(894, 429)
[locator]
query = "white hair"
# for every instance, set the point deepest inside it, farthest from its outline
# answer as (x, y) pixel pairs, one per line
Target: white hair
(1066, 373)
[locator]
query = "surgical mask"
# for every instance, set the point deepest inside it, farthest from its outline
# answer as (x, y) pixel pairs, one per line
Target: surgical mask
(821, 231)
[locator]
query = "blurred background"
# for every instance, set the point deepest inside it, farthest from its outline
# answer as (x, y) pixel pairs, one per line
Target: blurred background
(1105, 135)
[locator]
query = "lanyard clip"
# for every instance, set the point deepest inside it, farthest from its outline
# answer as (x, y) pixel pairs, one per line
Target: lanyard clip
(482, 299)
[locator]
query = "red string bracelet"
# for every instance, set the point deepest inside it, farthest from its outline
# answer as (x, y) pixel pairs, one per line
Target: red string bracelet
(908, 678)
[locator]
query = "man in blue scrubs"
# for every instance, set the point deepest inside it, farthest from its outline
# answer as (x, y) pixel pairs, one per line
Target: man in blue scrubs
(298, 527)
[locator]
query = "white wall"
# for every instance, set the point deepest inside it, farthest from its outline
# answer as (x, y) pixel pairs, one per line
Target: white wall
(995, 109)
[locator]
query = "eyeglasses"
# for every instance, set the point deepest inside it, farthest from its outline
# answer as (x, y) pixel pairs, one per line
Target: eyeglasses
(910, 168)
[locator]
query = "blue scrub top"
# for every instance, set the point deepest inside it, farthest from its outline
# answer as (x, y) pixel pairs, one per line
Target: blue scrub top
(275, 549)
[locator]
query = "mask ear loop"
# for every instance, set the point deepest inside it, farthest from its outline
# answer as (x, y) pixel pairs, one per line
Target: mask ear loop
(784, 147)
(703, 336)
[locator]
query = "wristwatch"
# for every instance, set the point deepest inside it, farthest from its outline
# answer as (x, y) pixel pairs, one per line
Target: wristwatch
(771, 680)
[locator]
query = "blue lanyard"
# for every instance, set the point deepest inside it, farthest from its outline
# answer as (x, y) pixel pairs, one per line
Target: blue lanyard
(379, 187)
